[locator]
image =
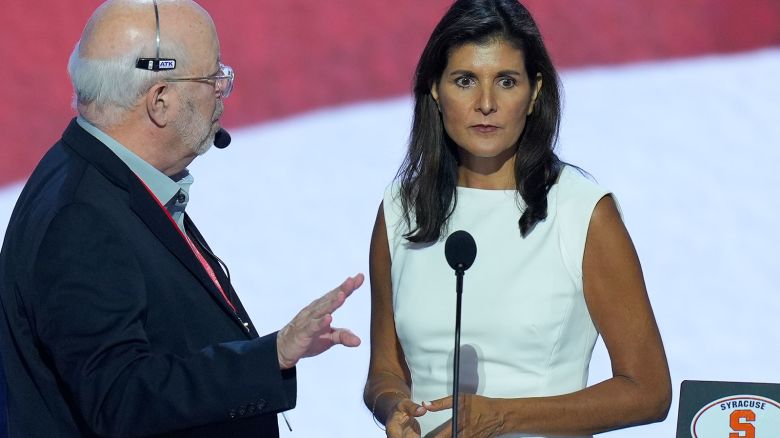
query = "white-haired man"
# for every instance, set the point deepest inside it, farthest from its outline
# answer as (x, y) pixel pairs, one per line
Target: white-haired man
(117, 319)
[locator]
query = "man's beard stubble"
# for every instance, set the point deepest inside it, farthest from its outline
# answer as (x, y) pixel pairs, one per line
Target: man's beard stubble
(196, 131)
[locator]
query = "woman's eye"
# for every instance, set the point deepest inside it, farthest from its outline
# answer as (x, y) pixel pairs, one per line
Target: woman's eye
(464, 81)
(506, 82)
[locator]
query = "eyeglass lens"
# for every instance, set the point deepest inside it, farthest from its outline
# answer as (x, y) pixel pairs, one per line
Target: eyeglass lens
(225, 84)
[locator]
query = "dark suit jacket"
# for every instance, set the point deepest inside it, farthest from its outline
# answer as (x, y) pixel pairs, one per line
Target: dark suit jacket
(110, 326)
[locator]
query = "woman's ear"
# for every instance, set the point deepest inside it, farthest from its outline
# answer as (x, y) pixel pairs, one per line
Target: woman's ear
(535, 94)
(435, 94)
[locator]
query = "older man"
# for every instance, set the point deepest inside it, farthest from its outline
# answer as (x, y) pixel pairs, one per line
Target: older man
(118, 320)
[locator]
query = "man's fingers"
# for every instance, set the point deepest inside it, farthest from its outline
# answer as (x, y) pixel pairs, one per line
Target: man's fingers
(344, 337)
(317, 325)
(334, 299)
(309, 333)
(351, 283)
(323, 305)
(344, 290)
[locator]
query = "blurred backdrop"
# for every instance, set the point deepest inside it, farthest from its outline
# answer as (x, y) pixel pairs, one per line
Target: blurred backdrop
(672, 104)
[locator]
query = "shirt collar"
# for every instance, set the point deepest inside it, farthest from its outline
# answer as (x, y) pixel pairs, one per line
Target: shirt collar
(163, 187)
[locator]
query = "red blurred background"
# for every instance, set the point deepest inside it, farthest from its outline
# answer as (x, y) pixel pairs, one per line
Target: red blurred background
(297, 55)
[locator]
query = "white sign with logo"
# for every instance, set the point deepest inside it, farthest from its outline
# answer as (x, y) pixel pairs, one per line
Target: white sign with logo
(738, 416)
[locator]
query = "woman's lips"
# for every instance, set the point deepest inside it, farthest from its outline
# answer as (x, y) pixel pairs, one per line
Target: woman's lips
(485, 129)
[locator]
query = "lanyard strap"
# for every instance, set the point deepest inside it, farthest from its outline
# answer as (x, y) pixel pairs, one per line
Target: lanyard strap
(208, 268)
(193, 248)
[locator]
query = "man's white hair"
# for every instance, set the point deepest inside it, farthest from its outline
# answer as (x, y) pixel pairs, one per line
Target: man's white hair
(111, 87)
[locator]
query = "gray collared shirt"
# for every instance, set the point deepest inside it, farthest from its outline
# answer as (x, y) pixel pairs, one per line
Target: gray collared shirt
(172, 192)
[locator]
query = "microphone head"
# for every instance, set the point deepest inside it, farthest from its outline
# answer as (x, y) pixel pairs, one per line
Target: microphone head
(460, 250)
(221, 139)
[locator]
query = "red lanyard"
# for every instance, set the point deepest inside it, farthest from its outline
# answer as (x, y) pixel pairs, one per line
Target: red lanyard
(194, 248)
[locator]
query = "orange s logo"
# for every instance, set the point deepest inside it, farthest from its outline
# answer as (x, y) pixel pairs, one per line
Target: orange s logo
(740, 423)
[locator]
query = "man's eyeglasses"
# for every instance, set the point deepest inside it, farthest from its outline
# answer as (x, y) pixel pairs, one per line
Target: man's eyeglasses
(223, 80)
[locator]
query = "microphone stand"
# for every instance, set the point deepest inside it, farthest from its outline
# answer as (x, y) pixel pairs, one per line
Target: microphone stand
(460, 251)
(456, 365)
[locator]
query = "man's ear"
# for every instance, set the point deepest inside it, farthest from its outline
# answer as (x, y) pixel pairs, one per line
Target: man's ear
(158, 103)
(537, 89)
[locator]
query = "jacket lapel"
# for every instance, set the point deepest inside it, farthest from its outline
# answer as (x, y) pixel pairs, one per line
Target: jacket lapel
(189, 225)
(145, 206)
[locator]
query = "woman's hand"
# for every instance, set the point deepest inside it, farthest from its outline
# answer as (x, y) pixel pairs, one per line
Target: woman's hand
(402, 422)
(478, 416)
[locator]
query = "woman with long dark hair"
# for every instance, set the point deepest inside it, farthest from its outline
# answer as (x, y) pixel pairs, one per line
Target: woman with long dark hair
(556, 267)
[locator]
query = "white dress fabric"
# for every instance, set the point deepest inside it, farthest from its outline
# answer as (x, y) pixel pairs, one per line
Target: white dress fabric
(525, 328)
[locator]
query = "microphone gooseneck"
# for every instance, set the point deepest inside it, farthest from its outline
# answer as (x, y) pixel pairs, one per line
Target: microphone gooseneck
(460, 251)
(221, 139)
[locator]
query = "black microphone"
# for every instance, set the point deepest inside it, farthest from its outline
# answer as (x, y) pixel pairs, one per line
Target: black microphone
(221, 139)
(460, 251)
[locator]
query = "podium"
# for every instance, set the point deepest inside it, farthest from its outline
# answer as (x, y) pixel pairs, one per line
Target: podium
(711, 409)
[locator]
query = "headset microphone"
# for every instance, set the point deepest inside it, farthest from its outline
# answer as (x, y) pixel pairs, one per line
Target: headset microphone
(221, 139)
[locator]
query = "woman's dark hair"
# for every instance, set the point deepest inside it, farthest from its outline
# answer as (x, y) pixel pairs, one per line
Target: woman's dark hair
(429, 173)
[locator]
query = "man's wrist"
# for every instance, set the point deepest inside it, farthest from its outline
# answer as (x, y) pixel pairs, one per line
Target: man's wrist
(284, 363)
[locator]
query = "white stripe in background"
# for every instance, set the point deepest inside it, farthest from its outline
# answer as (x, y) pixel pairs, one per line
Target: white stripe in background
(689, 148)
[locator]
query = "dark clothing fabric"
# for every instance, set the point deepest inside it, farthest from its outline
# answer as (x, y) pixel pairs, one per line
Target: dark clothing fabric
(110, 325)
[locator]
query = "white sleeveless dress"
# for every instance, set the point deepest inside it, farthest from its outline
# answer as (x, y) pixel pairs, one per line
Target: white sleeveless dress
(525, 328)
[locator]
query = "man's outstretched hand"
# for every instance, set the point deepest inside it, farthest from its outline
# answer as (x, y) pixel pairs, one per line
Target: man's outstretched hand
(310, 333)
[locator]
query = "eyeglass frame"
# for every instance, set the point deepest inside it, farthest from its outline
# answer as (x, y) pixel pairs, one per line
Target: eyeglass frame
(167, 64)
(225, 73)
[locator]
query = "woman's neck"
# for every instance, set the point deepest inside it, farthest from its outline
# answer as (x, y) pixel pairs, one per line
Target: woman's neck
(490, 173)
